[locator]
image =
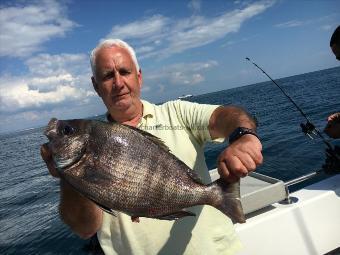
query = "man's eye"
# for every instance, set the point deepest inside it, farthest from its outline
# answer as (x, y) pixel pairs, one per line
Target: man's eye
(124, 72)
(108, 76)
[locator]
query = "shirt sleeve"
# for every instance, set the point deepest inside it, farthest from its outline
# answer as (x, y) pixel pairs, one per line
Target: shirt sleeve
(195, 117)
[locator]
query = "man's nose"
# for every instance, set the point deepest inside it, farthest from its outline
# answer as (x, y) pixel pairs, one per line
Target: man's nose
(118, 83)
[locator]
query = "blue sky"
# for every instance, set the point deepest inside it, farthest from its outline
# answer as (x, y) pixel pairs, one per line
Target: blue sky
(184, 47)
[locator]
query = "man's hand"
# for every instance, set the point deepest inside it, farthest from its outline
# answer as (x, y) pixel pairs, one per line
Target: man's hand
(47, 157)
(333, 126)
(240, 158)
(80, 213)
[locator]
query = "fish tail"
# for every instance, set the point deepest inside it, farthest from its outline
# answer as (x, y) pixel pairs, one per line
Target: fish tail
(229, 200)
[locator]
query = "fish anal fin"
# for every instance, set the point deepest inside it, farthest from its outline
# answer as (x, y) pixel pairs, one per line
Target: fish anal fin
(175, 215)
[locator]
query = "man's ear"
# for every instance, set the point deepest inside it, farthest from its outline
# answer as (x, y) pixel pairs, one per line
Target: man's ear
(140, 78)
(95, 85)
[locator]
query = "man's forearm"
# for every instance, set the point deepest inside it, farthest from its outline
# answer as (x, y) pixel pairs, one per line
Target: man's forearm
(225, 120)
(82, 215)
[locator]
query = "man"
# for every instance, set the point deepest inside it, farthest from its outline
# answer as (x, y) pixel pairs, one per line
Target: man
(184, 127)
(335, 43)
(333, 121)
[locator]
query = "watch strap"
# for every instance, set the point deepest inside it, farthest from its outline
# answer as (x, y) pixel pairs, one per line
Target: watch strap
(241, 131)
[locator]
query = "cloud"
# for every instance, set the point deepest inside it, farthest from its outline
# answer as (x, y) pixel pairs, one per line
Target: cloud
(327, 27)
(195, 6)
(24, 28)
(180, 74)
(175, 36)
(140, 29)
(323, 22)
(291, 23)
(53, 80)
(47, 64)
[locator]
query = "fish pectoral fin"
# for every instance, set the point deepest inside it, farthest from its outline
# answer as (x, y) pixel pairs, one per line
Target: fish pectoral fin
(106, 209)
(175, 215)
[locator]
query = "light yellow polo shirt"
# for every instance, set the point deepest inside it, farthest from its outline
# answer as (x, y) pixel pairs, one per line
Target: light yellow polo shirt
(183, 127)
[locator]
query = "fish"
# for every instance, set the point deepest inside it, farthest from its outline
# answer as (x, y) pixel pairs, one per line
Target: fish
(125, 169)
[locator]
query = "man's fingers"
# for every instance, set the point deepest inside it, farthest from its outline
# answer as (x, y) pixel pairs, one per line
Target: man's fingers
(236, 167)
(248, 162)
(225, 174)
(45, 152)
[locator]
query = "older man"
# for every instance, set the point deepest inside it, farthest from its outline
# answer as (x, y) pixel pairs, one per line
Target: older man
(184, 127)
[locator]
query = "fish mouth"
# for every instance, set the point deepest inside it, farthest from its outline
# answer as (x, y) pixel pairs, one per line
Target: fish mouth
(51, 129)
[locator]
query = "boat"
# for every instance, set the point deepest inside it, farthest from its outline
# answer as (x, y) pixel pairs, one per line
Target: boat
(185, 96)
(305, 222)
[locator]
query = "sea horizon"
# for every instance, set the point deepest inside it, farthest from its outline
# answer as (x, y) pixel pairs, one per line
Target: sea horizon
(205, 94)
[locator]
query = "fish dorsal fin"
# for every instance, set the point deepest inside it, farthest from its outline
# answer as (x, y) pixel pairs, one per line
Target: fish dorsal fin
(153, 138)
(193, 175)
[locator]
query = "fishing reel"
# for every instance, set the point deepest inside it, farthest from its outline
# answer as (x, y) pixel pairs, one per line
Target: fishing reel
(308, 129)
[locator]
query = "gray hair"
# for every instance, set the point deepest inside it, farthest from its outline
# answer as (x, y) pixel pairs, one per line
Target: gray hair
(108, 44)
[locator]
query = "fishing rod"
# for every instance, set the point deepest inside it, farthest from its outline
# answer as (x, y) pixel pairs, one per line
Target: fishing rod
(309, 128)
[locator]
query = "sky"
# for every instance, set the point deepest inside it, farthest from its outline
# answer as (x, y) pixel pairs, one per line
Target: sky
(183, 47)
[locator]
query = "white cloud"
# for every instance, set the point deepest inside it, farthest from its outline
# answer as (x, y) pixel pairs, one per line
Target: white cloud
(195, 6)
(16, 95)
(323, 22)
(47, 65)
(180, 74)
(180, 35)
(20, 96)
(291, 23)
(140, 29)
(327, 27)
(24, 28)
(52, 80)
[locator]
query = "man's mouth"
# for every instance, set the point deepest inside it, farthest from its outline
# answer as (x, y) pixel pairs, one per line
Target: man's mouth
(120, 95)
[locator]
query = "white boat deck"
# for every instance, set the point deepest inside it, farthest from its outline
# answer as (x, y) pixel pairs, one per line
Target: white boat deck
(258, 191)
(310, 226)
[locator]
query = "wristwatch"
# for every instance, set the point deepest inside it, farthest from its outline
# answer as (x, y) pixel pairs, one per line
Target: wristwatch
(240, 131)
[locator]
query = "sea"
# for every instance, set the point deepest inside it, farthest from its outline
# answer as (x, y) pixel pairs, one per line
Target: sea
(29, 196)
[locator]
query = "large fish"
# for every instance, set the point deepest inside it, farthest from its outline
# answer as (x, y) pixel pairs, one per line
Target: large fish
(124, 169)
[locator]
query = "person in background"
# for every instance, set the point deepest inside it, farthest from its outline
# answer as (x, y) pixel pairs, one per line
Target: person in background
(117, 79)
(335, 43)
(332, 128)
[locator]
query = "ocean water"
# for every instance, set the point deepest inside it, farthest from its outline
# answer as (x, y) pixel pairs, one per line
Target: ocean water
(29, 196)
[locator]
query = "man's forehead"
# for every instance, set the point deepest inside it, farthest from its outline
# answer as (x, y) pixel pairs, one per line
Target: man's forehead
(114, 53)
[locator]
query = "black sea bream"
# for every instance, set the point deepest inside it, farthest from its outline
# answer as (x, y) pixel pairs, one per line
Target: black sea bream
(124, 169)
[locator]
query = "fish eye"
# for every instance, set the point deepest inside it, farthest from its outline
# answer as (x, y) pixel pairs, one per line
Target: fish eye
(67, 130)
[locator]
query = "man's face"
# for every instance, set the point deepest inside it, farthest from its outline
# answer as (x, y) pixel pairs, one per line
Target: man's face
(117, 81)
(336, 51)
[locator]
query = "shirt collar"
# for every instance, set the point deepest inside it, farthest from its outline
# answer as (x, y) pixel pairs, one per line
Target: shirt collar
(148, 111)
